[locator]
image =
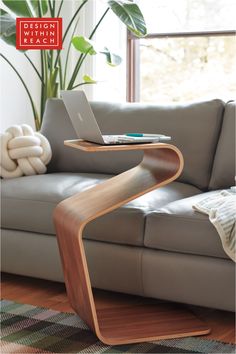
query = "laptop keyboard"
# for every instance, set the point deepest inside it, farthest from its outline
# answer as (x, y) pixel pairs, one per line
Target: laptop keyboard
(123, 139)
(114, 139)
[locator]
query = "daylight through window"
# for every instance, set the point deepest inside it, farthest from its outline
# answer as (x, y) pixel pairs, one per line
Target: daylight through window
(189, 53)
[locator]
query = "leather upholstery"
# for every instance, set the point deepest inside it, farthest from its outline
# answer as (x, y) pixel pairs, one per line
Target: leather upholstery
(199, 280)
(28, 204)
(181, 257)
(187, 278)
(176, 227)
(223, 171)
(194, 128)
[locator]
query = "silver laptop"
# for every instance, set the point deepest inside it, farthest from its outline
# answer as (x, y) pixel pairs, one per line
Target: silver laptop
(86, 126)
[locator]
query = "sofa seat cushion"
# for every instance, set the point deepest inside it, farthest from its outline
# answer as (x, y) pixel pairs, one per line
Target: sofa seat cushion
(28, 203)
(177, 227)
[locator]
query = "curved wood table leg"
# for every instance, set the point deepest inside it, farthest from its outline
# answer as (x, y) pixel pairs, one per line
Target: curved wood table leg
(161, 164)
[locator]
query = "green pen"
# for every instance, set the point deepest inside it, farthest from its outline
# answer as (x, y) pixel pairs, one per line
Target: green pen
(144, 135)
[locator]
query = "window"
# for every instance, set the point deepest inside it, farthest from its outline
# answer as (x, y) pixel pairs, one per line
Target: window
(189, 53)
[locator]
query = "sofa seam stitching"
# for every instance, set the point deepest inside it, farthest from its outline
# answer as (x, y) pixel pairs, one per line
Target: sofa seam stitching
(187, 251)
(32, 200)
(162, 215)
(142, 284)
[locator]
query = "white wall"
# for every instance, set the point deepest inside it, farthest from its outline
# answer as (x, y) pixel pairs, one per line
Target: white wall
(14, 102)
(112, 34)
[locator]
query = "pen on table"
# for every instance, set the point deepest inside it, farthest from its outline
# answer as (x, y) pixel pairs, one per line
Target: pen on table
(157, 137)
(144, 135)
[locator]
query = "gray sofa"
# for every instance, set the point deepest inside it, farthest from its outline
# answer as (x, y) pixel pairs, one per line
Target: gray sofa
(155, 246)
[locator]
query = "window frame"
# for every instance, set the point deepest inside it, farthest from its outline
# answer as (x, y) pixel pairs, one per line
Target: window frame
(133, 56)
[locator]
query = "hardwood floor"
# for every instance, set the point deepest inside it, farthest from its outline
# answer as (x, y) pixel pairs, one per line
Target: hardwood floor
(53, 295)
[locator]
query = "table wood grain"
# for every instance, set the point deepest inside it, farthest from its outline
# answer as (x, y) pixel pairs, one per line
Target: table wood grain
(135, 322)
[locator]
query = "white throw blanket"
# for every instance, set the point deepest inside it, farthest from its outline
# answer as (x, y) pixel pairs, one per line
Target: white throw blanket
(23, 152)
(221, 208)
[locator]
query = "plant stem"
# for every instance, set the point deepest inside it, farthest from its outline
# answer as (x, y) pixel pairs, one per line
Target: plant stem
(83, 83)
(75, 72)
(40, 9)
(72, 20)
(42, 84)
(51, 54)
(60, 74)
(68, 28)
(46, 75)
(59, 9)
(35, 113)
(68, 54)
(36, 70)
(53, 8)
(82, 57)
(50, 7)
(42, 72)
(98, 24)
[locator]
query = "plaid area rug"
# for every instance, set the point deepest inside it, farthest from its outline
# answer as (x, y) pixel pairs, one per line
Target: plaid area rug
(31, 329)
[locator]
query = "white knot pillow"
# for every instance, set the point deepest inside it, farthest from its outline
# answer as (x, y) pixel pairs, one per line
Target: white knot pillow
(23, 152)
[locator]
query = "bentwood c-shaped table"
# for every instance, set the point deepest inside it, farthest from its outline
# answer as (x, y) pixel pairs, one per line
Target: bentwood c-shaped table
(133, 322)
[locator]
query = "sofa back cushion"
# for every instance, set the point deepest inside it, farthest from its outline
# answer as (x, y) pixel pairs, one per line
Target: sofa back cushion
(194, 129)
(223, 171)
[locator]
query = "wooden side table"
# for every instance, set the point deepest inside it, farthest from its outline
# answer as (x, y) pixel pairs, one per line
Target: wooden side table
(135, 321)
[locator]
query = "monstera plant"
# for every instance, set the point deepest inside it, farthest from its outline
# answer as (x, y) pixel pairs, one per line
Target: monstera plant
(53, 71)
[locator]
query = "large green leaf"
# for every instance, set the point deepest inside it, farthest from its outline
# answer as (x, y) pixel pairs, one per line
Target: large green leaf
(8, 23)
(111, 58)
(7, 28)
(26, 8)
(19, 7)
(88, 80)
(130, 14)
(11, 40)
(84, 45)
(43, 4)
